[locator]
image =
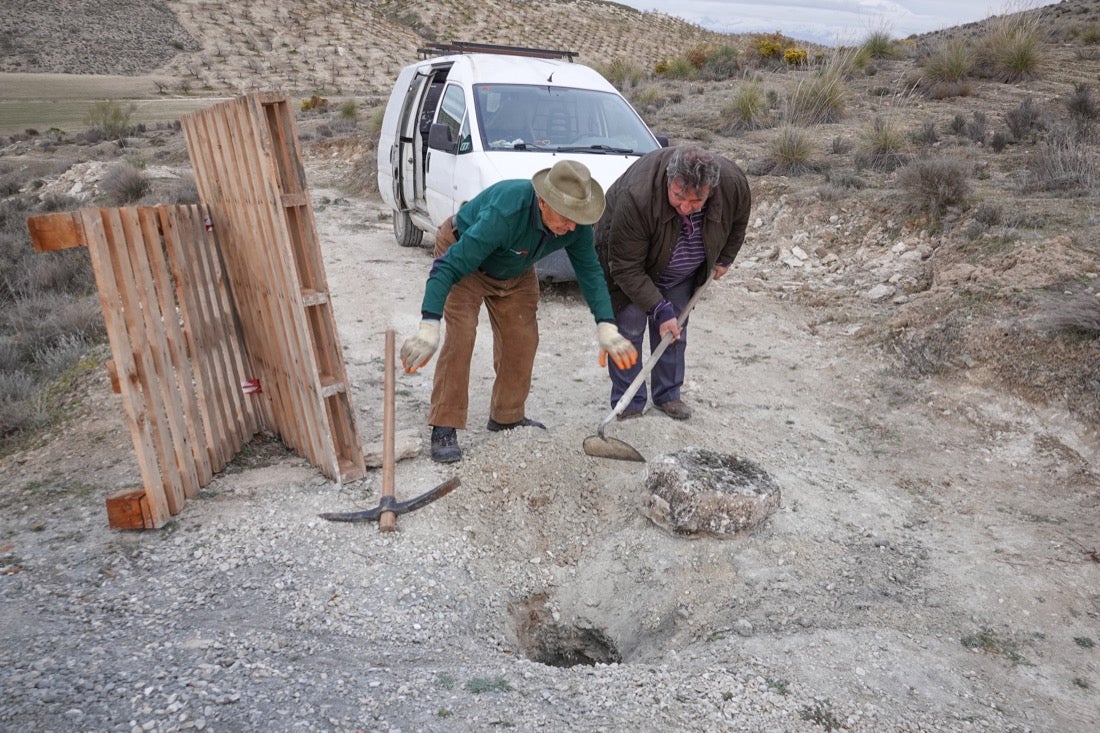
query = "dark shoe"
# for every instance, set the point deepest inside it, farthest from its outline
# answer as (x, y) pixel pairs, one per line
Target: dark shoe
(445, 445)
(526, 422)
(675, 409)
(631, 412)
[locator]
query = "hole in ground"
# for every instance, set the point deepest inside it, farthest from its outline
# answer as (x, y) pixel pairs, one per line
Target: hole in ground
(544, 640)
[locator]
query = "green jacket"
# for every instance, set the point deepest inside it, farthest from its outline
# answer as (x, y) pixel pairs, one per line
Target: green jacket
(501, 233)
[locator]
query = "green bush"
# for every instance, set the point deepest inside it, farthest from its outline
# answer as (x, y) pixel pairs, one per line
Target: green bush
(882, 145)
(945, 69)
(349, 109)
(722, 62)
(820, 98)
(748, 110)
(622, 74)
(679, 68)
(879, 45)
(791, 152)
(1011, 50)
(934, 184)
(110, 117)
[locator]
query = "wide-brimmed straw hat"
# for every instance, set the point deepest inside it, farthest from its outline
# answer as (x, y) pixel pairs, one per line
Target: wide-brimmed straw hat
(570, 190)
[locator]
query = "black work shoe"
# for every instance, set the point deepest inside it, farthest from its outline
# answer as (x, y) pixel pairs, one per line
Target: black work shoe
(675, 409)
(526, 422)
(445, 445)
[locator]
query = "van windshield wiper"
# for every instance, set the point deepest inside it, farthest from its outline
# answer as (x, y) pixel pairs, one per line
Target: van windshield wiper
(608, 149)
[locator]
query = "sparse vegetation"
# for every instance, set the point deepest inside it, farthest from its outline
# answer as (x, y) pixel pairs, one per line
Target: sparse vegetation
(110, 117)
(820, 98)
(1011, 49)
(934, 184)
(749, 108)
(124, 184)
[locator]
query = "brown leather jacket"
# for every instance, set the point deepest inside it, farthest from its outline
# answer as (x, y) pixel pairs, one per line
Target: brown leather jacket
(638, 230)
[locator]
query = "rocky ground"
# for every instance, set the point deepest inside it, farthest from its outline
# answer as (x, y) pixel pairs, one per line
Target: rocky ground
(929, 568)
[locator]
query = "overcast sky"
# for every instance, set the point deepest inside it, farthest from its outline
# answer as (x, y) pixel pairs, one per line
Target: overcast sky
(832, 22)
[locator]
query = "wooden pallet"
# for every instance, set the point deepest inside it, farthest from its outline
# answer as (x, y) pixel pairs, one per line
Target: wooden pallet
(249, 173)
(179, 358)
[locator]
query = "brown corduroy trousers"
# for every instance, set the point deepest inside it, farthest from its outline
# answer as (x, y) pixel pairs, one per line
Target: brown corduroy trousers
(512, 306)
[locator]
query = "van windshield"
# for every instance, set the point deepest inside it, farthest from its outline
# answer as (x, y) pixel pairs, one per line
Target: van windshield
(540, 118)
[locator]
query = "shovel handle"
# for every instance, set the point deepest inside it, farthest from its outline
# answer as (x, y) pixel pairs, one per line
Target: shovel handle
(647, 367)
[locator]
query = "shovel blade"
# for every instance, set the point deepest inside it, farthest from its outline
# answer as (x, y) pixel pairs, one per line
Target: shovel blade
(619, 450)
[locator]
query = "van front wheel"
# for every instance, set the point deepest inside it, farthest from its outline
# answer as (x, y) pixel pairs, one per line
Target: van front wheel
(405, 232)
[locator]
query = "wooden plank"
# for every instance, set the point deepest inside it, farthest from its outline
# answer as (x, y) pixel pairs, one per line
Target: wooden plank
(136, 414)
(52, 232)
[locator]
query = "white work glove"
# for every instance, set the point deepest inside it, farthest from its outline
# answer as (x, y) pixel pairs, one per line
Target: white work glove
(614, 343)
(418, 349)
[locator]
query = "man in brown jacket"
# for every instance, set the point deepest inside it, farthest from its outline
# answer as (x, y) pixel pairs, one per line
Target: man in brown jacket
(676, 216)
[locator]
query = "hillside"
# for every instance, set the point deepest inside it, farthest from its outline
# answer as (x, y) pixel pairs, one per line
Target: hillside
(332, 46)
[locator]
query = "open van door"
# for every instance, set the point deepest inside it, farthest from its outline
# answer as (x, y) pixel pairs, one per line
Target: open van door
(409, 153)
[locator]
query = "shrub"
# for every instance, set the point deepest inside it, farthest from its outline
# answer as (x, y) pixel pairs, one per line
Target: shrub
(795, 56)
(749, 109)
(722, 62)
(791, 152)
(1080, 316)
(946, 67)
(977, 128)
(349, 109)
(696, 56)
(999, 141)
(879, 45)
(1011, 49)
(1061, 163)
(1082, 108)
(678, 68)
(769, 46)
(1024, 119)
(110, 117)
(925, 135)
(933, 184)
(124, 184)
(883, 146)
(820, 98)
(622, 73)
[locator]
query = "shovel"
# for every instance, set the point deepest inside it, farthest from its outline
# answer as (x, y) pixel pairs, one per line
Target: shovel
(599, 445)
(388, 508)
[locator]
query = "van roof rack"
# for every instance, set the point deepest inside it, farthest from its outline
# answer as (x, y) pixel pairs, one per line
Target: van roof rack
(443, 49)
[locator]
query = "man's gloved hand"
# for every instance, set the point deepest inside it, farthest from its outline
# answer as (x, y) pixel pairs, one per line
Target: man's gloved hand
(622, 352)
(417, 350)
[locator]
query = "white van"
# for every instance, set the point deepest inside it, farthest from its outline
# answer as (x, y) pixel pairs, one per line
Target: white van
(477, 114)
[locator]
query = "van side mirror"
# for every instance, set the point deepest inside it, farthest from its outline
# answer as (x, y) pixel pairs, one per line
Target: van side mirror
(439, 138)
(662, 140)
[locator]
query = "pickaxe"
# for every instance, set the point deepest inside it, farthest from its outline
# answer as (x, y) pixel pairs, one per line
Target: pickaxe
(388, 508)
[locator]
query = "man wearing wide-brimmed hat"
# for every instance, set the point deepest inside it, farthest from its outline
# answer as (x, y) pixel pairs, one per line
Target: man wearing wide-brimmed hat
(486, 253)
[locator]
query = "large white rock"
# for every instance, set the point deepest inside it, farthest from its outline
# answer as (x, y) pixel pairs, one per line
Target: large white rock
(701, 492)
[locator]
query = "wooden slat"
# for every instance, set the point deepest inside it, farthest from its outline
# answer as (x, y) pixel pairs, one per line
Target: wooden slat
(51, 232)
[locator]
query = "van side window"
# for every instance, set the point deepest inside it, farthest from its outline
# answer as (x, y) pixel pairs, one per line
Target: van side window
(452, 113)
